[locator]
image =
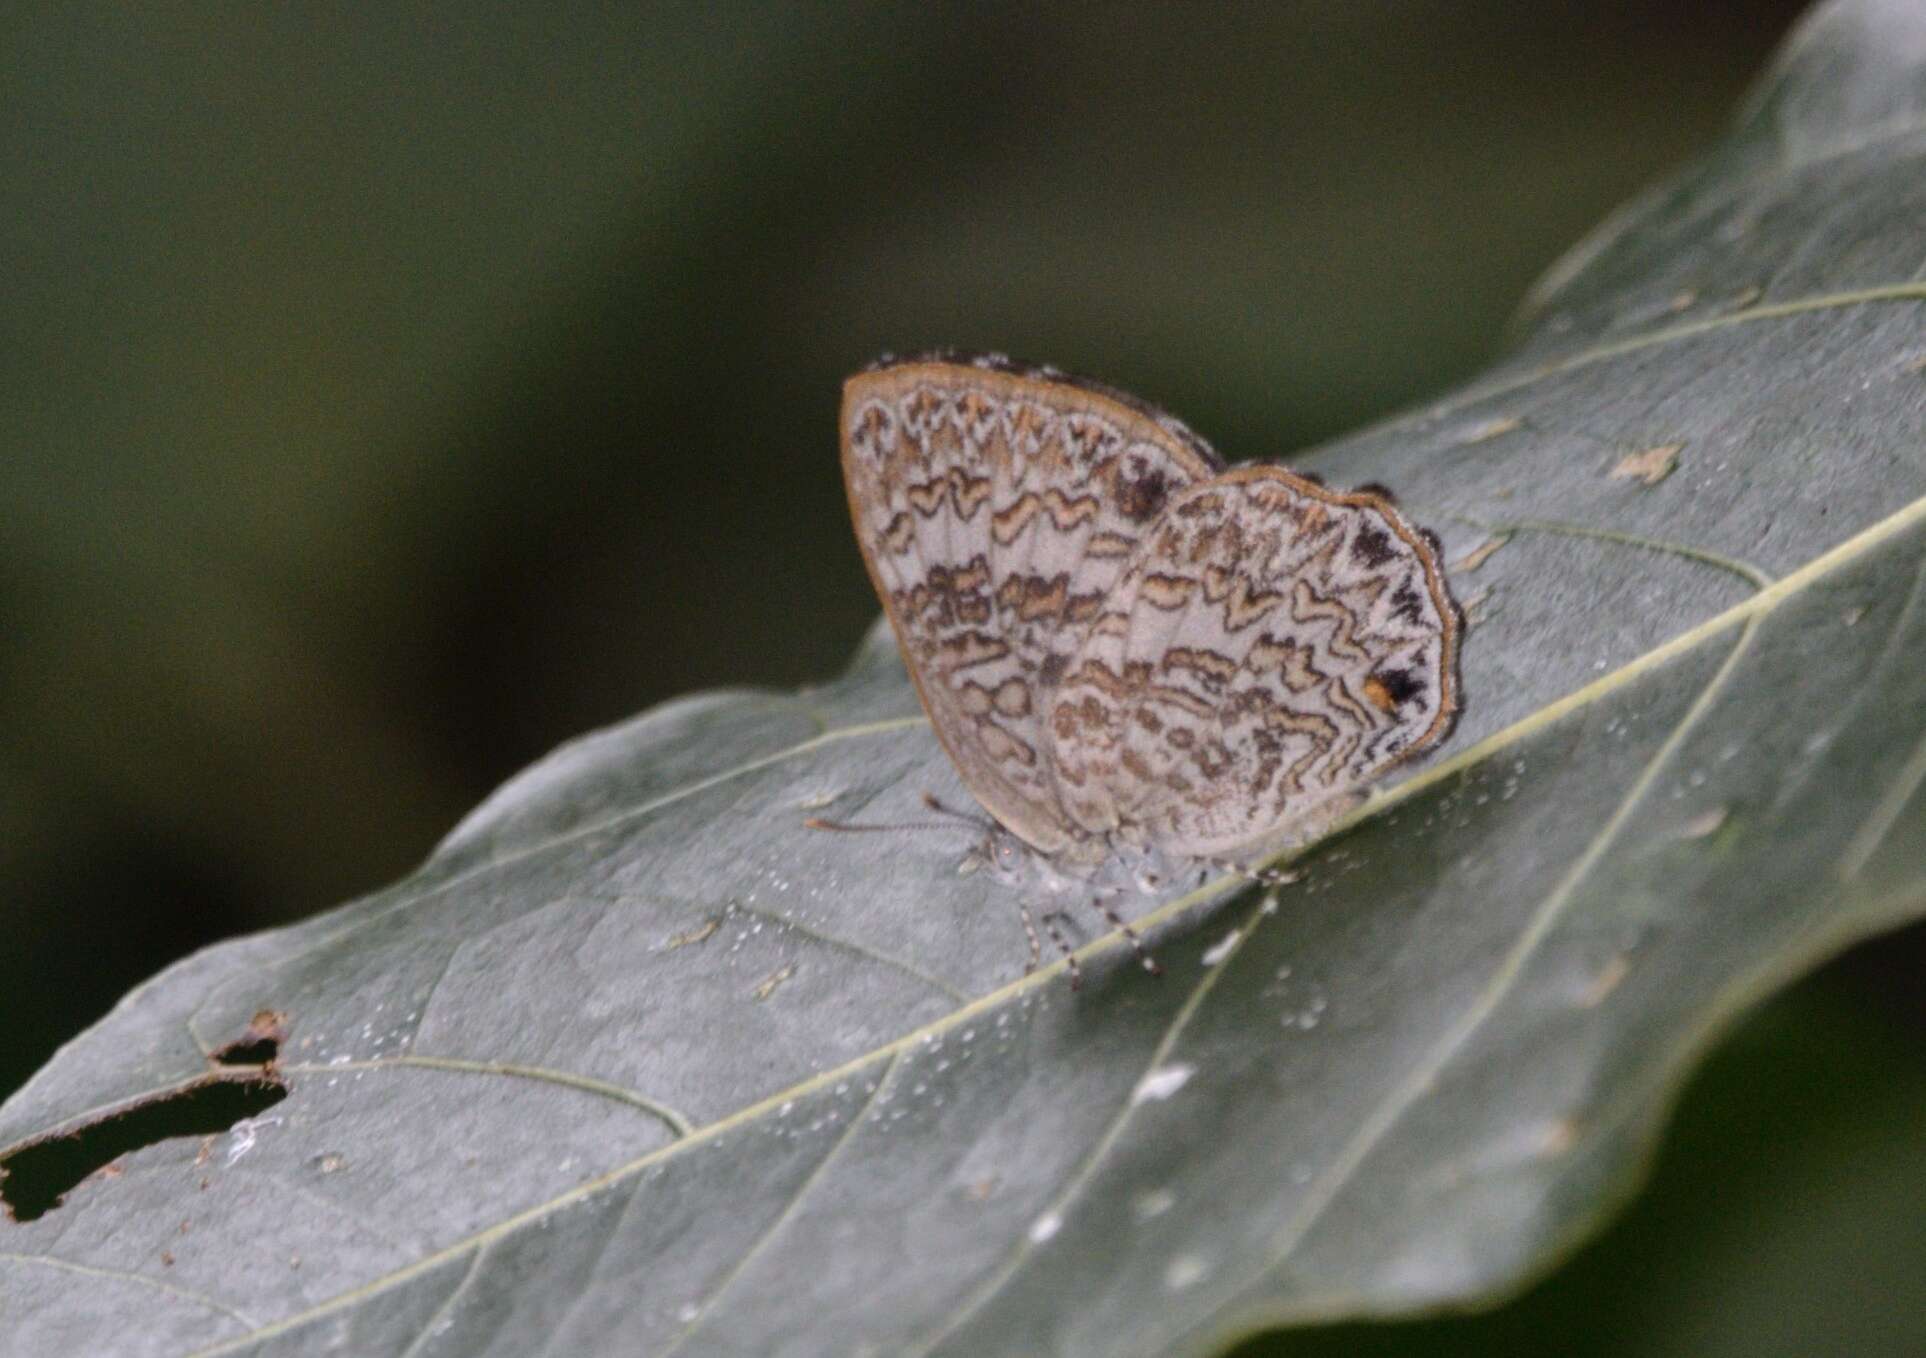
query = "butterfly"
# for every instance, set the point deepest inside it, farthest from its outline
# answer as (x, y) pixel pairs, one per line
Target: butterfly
(1123, 644)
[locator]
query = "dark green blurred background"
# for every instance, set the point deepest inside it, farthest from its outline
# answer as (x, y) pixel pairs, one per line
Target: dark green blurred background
(391, 392)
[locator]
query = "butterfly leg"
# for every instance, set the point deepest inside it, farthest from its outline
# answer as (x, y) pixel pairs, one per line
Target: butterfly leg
(1262, 876)
(1030, 932)
(1103, 907)
(1063, 945)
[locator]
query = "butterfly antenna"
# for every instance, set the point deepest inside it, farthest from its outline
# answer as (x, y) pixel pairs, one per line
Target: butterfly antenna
(943, 809)
(980, 823)
(852, 828)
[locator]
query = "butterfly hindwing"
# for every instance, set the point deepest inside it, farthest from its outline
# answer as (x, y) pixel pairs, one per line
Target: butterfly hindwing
(1273, 644)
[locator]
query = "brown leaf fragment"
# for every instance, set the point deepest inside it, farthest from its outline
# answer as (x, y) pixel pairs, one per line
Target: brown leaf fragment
(1480, 554)
(767, 985)
(696, 935)
(1609, 978)
(1558, 1136)
(1651, 466)
(1705, 823)
(259, 1043)
(1491, 429)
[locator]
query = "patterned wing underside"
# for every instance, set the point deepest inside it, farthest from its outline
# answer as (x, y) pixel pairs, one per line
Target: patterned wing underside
(1274, 645)
(996, 510)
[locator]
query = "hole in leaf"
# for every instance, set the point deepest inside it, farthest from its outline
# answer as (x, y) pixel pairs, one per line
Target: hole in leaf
(247, 1053)
(260, 1044)
(35, 1178)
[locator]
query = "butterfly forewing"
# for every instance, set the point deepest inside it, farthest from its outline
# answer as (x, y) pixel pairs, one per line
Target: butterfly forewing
(1272, 645)
(996, 509)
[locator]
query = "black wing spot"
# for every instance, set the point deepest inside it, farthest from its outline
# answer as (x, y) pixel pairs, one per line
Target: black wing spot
(1401, 686)
(1379, 489)
(1142, 497)
(1372, 546)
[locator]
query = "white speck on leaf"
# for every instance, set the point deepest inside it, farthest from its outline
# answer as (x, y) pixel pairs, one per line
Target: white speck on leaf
(1222, 948)
(1162, 1083)
(1182, 1271)
(1154, 1203)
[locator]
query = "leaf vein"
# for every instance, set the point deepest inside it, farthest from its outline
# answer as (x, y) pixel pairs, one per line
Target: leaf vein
(409, 900)
(790, 1208)
(1886, 812)
(122, 1275)
(859, 950)
(447, 1307)
(1086, 1168)
(1673, 334)
(677, 1122)
(1753, 575)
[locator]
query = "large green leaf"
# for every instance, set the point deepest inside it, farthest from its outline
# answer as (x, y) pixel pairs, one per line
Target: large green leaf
(637, 1063)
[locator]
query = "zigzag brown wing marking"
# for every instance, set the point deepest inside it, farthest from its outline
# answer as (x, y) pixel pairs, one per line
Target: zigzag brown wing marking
(996, 507)
(1273, 645)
